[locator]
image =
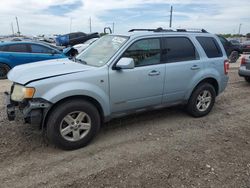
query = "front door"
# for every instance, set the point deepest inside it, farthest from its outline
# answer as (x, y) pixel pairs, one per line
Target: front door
(142, 86)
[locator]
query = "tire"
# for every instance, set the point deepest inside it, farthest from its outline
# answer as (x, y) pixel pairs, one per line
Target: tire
(234, 57)
(196, 100)
(60, 128)
(4, 69)
(247, 79)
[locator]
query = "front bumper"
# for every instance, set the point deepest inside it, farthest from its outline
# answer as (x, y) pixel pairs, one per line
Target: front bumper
(31, 111)
(244, 72)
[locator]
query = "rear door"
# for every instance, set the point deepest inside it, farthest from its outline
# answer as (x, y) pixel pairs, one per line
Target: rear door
(182, 65)
(40, 53)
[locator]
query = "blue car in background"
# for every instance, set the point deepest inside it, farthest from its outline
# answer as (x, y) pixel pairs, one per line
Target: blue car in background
(18, 53)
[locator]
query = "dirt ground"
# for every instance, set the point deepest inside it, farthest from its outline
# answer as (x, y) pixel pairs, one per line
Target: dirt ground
(164, 148)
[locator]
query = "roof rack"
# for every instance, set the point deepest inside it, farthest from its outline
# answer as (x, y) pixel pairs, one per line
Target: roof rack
(170, 30)
(154, 30)
(192, 30)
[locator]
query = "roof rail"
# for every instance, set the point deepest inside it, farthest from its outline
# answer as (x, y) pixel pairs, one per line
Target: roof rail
(159, 29)
(192, 30)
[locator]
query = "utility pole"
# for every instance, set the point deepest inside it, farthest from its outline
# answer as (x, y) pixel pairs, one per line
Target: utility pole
(113, 27)
(239, 28)
(18, 30)
(171, 16)
(12, 29)
(90, 26)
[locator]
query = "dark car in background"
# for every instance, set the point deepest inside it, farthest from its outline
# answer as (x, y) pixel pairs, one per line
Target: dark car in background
(18, 53)
(74, 38)
(233, 49)
(246, 46)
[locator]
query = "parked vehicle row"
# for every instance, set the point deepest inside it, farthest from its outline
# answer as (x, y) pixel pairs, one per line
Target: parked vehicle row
(18, 53)
(118, 75)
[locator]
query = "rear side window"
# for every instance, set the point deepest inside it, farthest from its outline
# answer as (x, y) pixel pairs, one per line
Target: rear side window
(40, 49)
(210, 46)
(23, 48)
(177, 49)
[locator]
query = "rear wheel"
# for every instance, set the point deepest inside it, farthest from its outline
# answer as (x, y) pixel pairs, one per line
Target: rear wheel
(73, 124)
(202, 100)
(247, 79)
(233, 56)
(4, 69)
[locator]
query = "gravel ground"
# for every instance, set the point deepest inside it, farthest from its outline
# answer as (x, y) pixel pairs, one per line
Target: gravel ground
(164, 148)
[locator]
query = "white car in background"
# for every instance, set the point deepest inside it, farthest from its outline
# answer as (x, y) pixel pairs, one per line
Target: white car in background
(81, 47)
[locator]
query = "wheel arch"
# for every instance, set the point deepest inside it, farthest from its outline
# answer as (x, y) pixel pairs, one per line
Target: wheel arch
(76, 97)
(209, 80)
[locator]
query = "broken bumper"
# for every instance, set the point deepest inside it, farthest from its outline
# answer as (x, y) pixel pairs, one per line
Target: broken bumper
(31, 111)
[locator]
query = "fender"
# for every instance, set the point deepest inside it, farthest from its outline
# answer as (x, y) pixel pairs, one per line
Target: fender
(77, 88)
(207, 73)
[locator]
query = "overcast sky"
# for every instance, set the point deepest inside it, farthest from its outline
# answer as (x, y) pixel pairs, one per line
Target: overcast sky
(54, 16)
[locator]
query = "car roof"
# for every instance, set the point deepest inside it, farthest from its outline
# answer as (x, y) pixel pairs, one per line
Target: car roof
(3, 43)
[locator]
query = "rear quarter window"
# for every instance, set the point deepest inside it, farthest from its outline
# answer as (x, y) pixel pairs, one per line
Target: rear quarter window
(210, 46)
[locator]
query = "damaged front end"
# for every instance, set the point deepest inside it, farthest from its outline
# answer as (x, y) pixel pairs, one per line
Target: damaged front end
(31, 111)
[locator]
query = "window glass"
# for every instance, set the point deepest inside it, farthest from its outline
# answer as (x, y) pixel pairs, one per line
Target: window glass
(3, 48)
(210, 46)
(145, 52)
(177, 49)
(40, 49)
(18, 48)
(100, 52)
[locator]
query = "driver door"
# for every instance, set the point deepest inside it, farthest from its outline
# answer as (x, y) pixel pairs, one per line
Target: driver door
(141, 86)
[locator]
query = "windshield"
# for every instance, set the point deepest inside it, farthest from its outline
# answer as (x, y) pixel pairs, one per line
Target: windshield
(100, 52)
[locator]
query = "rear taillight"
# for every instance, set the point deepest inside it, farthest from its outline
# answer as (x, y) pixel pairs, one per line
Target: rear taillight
(226, 67)
(243, 61)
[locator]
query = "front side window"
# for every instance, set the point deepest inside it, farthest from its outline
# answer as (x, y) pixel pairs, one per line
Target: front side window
(23, 48)
(100, 52)
(40, 49)
(177, 49)
(145, 52)
(210, 46)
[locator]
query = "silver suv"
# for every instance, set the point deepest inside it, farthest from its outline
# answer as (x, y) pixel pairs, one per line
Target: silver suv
(118, 75)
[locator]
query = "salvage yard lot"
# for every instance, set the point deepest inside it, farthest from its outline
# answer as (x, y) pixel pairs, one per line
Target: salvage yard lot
(164, 148)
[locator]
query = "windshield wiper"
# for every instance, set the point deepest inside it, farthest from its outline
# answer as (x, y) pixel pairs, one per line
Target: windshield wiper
(79, 61)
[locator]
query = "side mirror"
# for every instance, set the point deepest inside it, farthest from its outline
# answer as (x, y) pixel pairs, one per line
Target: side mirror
(53, 52)
(125, 63)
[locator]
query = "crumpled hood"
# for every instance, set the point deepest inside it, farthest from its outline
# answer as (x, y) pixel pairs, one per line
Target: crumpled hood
(23, 74)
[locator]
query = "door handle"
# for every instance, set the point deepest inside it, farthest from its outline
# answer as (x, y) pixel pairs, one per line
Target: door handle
(154, 73)
(195, 67)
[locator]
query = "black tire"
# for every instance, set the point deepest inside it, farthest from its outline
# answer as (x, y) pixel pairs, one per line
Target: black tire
(56, 119)
(234, 56)
(247, 79)
(193, 100)
(4, 69)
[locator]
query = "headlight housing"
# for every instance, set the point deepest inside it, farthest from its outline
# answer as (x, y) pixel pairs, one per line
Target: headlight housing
(21, 92)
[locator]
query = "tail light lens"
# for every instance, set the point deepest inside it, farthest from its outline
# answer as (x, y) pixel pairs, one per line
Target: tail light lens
(226, 67)
(243, 61)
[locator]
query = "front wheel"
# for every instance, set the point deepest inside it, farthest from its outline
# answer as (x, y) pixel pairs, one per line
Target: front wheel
(4, 69)
(202, 100)
(73, 124)
(247, 79)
